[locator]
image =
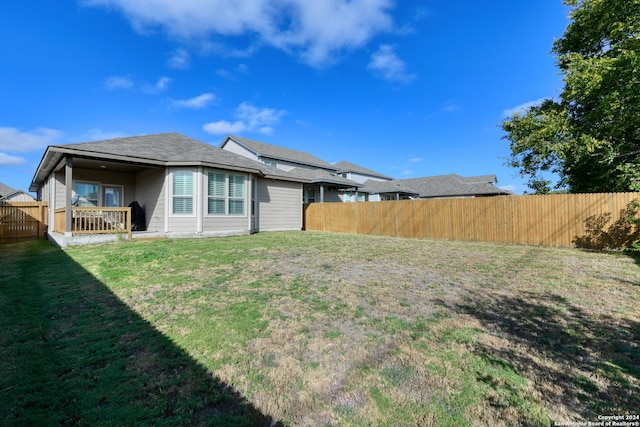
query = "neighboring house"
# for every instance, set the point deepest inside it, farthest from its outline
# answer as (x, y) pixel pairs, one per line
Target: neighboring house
(8, 194)
(360, 175)
(388, 190)
(184, 186)
(322, 181)
(348, 182)
(453, 185)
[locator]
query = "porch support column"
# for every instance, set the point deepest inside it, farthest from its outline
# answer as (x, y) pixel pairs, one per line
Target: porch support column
(355, 195)
(68, 186)
(321, 193)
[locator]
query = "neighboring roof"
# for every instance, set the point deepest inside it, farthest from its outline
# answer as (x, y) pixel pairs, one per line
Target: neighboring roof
(345, 166)
(380, 187)
(9, 193)
(453, 185)
(166, 149)
(318, 176)
(262, 149)
(5, 190)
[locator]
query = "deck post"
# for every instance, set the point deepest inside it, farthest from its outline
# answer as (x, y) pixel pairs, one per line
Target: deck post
(68, 184)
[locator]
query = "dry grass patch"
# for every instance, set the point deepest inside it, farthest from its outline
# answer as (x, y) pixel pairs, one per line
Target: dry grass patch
(329, 329)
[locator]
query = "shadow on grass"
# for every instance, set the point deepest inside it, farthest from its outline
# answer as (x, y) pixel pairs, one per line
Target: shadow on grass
(72, 353)
(586, 363)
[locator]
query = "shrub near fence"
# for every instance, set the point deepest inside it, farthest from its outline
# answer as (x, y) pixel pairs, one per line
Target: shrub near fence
(584, 220)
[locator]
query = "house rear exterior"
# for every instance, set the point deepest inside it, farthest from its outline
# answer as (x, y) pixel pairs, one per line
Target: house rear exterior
(184, 186)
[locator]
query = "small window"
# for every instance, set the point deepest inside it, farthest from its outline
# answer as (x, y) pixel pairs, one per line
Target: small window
(311, 195)
(270, 163)
(183, 193)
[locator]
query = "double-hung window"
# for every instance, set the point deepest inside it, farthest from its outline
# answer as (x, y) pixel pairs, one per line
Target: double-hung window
(226, 194)
(183, 192)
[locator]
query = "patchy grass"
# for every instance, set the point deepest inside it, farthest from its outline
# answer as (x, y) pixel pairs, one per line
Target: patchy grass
(316, 329)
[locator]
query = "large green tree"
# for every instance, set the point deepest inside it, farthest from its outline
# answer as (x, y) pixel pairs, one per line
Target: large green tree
(590, 137)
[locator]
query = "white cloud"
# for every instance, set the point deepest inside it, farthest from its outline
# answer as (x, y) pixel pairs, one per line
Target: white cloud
(225, 127)
(450, 107)
(314, 30)
(180, 59)
(7, 160)
(249, 118)
(231, 75)
(415, 160)
(160, 86)
(118, 82)
(13, 140)
(386, 64)
(197, 102)
(519, 109)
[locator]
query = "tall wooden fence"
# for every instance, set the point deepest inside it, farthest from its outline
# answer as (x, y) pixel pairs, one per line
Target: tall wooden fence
(22, 221)
(583, 220)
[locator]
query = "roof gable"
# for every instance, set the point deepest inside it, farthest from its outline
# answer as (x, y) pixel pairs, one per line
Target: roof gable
(345, 166)
(5, 190)
(275, 152)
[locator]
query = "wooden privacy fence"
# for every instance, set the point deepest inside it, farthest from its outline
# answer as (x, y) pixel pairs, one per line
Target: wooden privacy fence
(585, 220)
(22, 221)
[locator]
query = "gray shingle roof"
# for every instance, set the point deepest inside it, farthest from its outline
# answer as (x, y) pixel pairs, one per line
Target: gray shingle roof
(165, 149)
(322, 176)
(378, 187)
(275, 152)
(345, 166)
(453, 185)
(5, 190)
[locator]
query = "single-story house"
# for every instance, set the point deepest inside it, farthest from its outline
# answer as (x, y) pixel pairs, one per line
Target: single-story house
(182, 187)
(452, 185)
(9, 194)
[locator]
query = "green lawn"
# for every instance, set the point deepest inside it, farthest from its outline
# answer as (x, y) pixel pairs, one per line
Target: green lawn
(316, 329)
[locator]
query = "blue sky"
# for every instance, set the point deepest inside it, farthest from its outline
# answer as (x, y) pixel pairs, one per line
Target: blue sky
(407, 88)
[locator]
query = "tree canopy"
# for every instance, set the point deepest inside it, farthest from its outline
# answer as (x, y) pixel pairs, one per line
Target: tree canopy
(590, 137)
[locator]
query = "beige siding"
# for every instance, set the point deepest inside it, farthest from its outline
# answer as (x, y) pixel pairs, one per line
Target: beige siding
(233, 147)
(279, 205)
(150, 194)
(59, 191)
(20, 197)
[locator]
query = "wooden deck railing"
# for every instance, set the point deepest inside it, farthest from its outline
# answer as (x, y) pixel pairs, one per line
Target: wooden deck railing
(90, 220)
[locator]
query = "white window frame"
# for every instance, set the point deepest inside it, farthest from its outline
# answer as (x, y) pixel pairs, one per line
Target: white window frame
(227, 197)
(174, 196)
